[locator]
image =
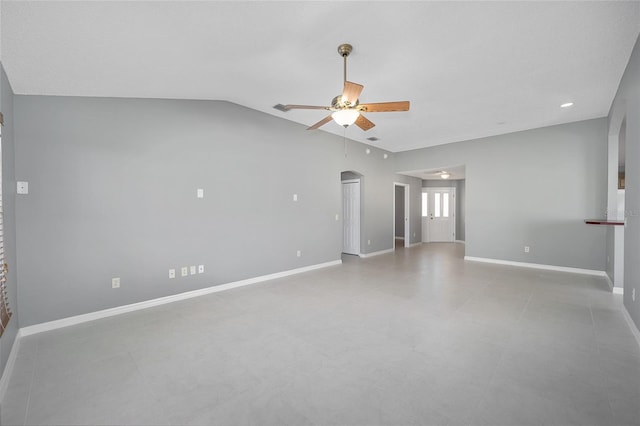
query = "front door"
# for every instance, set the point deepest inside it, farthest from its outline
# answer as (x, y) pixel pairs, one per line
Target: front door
(438, 218)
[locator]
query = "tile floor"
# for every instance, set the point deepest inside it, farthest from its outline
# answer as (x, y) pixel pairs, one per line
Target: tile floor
(418, 336)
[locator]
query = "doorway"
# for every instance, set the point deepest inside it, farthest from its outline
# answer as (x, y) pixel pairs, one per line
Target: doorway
(351, 216)
(438, 215)
(617, 208)
(401, 223)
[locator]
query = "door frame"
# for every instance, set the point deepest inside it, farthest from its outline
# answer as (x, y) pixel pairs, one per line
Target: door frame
(452, 207)
(407, 221)
(359, 217)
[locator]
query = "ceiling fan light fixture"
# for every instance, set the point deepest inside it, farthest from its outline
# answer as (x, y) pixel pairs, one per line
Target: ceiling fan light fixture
(345, 117)
(445, 175)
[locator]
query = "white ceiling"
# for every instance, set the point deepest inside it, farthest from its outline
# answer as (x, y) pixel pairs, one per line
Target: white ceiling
(470, 69)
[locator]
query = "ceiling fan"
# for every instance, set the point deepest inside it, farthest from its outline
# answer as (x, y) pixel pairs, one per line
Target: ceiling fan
(346, 108)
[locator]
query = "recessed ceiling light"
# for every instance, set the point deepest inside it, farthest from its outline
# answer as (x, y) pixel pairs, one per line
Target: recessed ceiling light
(566, 105)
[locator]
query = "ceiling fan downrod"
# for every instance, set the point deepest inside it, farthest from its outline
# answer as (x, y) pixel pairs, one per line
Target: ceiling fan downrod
(344, 50)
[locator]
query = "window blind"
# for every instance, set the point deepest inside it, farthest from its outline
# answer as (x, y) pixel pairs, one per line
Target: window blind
(5, 311)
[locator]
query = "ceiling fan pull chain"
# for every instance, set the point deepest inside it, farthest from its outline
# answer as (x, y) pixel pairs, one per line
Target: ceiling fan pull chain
(345, 142)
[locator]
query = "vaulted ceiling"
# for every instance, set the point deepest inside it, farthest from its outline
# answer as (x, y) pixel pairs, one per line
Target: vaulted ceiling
(470, 69)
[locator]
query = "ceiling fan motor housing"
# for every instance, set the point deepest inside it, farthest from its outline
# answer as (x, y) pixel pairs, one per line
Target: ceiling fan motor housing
(339, 103)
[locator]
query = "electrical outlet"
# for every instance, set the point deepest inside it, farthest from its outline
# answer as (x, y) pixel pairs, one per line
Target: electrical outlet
(184, 271)
(22, 187)
(414, 234)
(115, 282)
(295, 197)
(368, 242)
(337, 217)
(526, 249)
(200, 193)
(192, 269)
(201, 269)
(298, 253)
(172, 273)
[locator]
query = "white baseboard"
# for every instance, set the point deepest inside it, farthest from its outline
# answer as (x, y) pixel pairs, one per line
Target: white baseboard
(632, 325)
(618, 290)
(8, 368)
(413, 245)
(538, 266)
(609, 282)
(400, 238)
(79, 319)
(459, 241)
(377, 253)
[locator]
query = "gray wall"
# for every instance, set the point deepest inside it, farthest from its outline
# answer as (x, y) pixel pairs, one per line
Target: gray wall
(113, 194)
(459, 185)
(9, 203)
(399, 211)
(441, 183)
(461, 210)
(626, 104)
(530, 188)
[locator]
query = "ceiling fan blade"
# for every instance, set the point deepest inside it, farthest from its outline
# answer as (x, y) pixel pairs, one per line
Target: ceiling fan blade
(288, 107)
(351, 92)
(385, 106)
(364, 123)
(320, 123)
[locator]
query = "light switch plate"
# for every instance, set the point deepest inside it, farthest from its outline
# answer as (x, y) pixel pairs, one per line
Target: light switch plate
(200, 193)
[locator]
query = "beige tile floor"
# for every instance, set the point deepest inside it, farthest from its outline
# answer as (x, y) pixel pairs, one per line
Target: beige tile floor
(418, 336)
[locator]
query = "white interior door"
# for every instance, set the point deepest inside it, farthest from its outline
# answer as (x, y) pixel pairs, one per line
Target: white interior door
(351, 217)
(438, 214)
